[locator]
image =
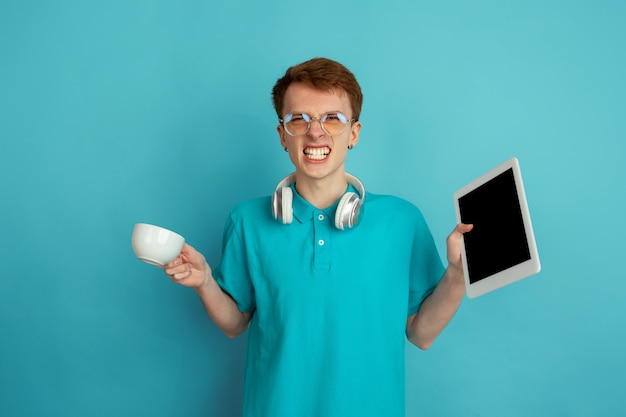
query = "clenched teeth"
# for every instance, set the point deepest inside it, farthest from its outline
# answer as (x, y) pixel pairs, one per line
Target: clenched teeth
(317, 153)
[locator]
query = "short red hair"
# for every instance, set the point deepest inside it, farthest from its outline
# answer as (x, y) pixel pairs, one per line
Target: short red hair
(323, 74)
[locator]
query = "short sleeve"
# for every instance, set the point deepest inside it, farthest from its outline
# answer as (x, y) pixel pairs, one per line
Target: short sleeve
(426, 267)
(232, 274)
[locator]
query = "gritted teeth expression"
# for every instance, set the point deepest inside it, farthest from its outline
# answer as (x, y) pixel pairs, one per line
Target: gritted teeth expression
(317, 153)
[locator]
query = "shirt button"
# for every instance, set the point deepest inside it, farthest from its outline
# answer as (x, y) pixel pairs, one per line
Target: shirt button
(320, 242)
(320, 217)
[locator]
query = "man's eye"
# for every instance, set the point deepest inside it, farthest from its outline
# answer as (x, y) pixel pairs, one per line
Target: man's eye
(335, 117)
(298, 118)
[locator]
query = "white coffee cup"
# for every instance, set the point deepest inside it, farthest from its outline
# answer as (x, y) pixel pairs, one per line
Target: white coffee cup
(156, 245)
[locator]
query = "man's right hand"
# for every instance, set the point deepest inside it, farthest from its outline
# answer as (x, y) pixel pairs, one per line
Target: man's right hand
(189, 269)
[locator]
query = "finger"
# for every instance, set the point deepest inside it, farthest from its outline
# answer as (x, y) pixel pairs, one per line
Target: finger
(463, 228)
(181, 276)
(459, 230)
(183, 272)
(177, 261)
(182, 256)
(187, 250)
(177, 268)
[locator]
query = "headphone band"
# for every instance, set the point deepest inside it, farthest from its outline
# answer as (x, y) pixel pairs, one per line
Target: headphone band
(348, 211)
(352, 180)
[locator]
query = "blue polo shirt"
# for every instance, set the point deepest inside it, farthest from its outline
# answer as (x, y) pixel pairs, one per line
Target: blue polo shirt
(329, 307)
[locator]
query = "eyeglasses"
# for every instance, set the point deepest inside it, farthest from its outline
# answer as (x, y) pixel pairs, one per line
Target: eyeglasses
(333, 123)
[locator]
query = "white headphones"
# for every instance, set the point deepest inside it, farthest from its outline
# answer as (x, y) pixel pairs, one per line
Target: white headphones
(348, 211)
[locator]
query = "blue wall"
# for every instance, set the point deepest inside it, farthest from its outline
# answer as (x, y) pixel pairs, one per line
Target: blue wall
(117, 112)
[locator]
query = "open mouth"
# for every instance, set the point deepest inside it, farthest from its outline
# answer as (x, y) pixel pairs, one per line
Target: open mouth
(317, 153)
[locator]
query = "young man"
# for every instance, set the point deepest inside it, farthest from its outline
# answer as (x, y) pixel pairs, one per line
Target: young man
(328, 279)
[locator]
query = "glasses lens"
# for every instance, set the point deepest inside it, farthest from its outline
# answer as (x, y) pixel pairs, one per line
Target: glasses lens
(334, 123)
(297, 124)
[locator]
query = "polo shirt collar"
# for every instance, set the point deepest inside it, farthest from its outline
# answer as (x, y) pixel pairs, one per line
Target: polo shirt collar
(303, 211)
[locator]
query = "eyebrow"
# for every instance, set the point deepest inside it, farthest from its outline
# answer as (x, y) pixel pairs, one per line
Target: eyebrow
(309, 113)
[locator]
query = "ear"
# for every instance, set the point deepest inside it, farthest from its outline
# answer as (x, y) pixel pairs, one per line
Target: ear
(354, 133)
(281, 134)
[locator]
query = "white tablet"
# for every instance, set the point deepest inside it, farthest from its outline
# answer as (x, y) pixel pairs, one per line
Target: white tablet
(501, 247)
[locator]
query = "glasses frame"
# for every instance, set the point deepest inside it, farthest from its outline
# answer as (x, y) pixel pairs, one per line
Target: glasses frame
(286, 119)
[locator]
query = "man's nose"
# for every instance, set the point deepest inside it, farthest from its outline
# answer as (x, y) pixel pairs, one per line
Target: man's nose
(316, 129)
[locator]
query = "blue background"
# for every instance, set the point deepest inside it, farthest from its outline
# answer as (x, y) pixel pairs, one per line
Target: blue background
(118, 112)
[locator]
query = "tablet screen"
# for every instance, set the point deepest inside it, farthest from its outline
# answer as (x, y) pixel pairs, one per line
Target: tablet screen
(498, 240)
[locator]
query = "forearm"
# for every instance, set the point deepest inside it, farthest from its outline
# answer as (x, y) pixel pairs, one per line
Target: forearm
(222, 308)
(437, 309)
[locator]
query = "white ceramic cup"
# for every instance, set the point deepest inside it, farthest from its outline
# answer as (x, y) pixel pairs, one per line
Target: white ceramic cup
(156, 245)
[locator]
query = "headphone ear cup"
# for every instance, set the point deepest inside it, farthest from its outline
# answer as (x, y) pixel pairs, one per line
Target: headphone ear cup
(286, 209)
(347, 212)
(275, 210)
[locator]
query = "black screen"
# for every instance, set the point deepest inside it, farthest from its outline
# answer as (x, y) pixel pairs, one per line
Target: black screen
(498, 239)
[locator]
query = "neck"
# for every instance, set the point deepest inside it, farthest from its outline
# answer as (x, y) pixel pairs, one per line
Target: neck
(322, 192)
